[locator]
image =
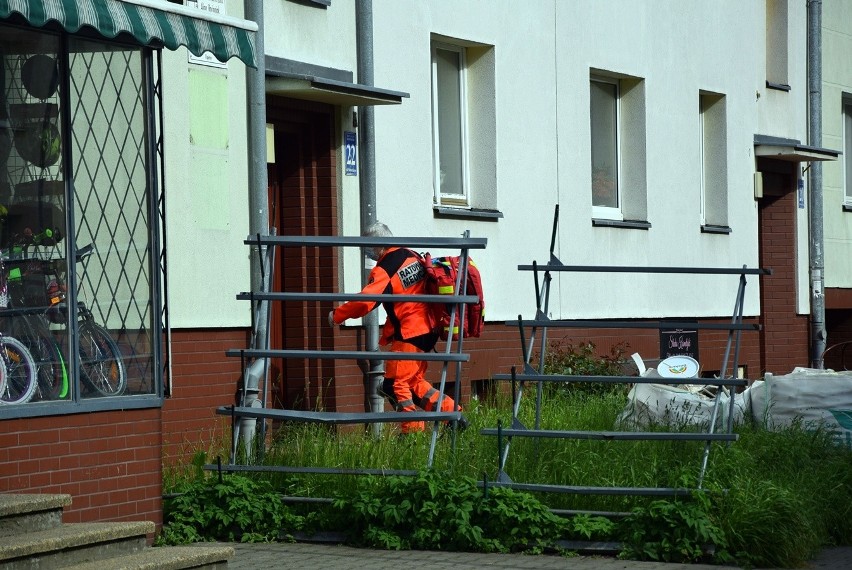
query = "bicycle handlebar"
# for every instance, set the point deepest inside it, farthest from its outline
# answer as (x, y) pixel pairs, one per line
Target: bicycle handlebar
(85, 252)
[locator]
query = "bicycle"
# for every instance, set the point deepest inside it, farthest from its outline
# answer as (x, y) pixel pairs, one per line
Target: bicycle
(41, 304)
(18, 373)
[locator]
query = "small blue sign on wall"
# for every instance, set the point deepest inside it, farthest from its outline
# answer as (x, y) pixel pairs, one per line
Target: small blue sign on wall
(801, 190)
(350, 150)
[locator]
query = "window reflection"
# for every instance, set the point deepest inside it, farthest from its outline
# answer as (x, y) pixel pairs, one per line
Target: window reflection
(76, 285)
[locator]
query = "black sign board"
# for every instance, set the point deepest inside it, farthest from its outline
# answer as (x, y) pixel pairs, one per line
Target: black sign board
(678, 342)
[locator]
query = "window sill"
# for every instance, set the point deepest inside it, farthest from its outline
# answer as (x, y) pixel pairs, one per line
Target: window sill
(87, 405)
(467, 214)
(626, 224)
(847, 207)
(315, 3)
(778, 86)
(711, 229)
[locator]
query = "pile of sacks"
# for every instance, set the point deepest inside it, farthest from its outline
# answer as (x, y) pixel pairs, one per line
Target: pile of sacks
(812, 397)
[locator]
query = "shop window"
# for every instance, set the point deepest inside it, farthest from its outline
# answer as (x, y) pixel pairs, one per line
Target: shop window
(80, 323)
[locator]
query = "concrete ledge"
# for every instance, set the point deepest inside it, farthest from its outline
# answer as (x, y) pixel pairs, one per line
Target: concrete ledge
(165, 558)
(75, 537)
(20, 504)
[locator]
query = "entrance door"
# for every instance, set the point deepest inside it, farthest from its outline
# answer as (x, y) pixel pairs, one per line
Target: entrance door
(302, 202)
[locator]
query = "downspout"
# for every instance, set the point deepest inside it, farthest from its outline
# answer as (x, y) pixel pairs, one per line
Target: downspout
(258, 211)
(367, 185)
(817, 263)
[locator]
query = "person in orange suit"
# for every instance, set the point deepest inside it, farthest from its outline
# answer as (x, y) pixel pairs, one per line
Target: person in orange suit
(409, 327)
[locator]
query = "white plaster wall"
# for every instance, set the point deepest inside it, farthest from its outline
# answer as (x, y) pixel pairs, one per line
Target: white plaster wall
(321, 36)
(207, 261)
(837, 80)
(544, 51)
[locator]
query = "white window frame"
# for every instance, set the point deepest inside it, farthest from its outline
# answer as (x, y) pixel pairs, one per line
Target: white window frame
(847, 150)
(702, 162)
(462, 200)
(607, 212)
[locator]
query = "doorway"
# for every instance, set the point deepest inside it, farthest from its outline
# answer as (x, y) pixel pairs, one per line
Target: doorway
(302, 202)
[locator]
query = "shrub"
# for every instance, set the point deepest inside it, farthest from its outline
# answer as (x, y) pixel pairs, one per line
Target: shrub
(583, 360)
(672, 531)
(234, 508)
(438, 512)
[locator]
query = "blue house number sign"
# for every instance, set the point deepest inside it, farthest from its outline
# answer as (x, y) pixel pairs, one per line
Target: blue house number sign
(350, 149)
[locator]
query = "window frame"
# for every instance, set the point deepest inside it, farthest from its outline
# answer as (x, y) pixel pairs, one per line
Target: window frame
(608, 212)
(456, 200)
(847, 149)
(702, 161)
(150, 74)
(714, 206)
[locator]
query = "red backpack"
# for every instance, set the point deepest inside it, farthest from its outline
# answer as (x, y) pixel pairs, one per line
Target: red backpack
(441, 276)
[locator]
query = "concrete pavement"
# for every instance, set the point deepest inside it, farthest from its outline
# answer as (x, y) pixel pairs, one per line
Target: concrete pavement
(311, 556)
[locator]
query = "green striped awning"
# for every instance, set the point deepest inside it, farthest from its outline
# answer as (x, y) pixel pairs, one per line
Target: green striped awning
(155, 23)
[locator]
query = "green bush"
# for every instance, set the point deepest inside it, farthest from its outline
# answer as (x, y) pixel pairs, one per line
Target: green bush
(436, 512)
(673, 531)
(234, 508)
(582, 359)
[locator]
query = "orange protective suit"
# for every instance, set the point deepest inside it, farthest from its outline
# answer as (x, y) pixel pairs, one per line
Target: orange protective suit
(409, 328)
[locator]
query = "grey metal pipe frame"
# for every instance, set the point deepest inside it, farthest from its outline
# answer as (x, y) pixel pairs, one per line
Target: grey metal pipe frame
(817, 262)
(257, 177)
(367, 185)
(256, 99)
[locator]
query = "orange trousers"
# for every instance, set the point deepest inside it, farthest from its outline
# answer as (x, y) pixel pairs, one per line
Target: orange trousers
(406, 387)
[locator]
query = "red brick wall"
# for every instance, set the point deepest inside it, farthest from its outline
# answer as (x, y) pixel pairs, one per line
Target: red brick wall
(785, 338)
(499, 349)
(109, 462)
(203, 379)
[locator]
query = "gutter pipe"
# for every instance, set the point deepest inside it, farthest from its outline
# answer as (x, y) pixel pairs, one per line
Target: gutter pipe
(258, 220)
(817, 262)
(367, 185)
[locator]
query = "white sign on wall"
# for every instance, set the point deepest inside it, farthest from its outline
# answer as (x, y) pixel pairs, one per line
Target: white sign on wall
(211, 7)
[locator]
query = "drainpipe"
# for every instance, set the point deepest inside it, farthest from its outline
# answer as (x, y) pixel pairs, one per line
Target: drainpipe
(258, 211)
(367, 182)
(817, 264)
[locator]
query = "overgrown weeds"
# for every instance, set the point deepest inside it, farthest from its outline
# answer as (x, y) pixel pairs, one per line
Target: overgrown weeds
(771, 499)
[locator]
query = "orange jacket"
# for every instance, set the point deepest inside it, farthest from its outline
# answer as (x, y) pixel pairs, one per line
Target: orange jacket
(398, 271)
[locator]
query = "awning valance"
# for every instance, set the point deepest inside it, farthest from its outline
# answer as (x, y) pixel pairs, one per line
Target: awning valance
(155, 23)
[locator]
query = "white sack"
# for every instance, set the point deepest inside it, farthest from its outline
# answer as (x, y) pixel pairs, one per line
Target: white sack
(663, 404)
(815, 397)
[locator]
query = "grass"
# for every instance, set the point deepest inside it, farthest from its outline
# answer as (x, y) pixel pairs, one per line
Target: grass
(779, 496)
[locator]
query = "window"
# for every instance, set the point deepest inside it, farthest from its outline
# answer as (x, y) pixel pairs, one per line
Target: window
(618, 162)
(605, 155)
(449, 124)
(847, 148)
(776, 44)
(80, 310)
(713, 181)
(464, 129)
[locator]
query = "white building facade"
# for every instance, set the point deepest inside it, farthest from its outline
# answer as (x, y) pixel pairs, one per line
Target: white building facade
(667, 134)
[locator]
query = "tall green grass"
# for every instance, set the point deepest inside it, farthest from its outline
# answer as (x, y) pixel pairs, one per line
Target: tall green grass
(778, 495)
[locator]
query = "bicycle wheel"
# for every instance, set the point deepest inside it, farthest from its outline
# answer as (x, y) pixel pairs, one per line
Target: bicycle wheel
(101, 366)
(20, 371)
(52, 373)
